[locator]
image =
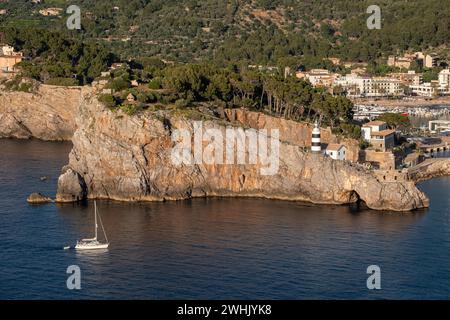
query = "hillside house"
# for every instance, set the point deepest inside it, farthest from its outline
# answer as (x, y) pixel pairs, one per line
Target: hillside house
(336, 151)
(378, 135)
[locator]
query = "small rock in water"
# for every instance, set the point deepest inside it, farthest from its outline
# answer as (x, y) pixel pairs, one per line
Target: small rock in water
(37, 198)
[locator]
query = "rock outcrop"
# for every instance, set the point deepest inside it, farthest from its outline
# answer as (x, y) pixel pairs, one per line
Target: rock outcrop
(429, 169)
(47, 114)
(129, 158)
(38, 198)
(71, 186)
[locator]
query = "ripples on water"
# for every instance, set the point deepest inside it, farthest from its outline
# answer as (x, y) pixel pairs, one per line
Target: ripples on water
(213, 248)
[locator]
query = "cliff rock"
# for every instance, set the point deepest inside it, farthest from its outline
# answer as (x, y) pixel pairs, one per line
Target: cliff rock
(71, 186)
(38, 198)
(429, 169)
(128, 158)
(47, 114)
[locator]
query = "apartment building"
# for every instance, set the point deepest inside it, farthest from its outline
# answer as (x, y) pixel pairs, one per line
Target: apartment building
(410, 78)
(400, 62)
(434, 88)
(444, 78)
(318, 77)
(364, 86)
(430, 61)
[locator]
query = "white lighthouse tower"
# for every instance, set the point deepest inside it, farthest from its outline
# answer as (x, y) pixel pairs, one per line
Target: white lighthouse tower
(316, 145)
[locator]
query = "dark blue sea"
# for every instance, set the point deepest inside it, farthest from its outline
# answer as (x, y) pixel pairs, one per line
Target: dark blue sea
(213, 248)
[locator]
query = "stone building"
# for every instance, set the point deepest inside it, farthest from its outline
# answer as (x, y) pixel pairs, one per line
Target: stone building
(378, 135)
(9, 59)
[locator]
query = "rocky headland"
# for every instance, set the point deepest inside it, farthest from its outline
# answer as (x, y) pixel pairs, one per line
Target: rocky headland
(128, 157)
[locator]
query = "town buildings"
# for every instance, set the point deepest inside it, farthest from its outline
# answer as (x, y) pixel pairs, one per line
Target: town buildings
(434, 88)
(8, 60)
(439, 125)
(378, 135)
(357, 85)
(405, 62)
(365, 86)
(318, 77)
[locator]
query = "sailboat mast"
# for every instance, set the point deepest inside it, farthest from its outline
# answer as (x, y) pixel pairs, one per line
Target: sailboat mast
(96, 226)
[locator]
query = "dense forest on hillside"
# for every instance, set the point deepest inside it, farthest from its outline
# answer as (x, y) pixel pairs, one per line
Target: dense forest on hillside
(258, 31)
(55, 59)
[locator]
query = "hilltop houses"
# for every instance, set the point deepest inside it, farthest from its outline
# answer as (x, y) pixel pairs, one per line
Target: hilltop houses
(51, 12)
(8, 60)
(405, 62)
(318, 77)
(400, 62)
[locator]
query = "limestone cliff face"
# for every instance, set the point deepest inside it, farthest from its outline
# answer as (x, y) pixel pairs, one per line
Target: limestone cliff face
(48, 114)
(121, 157)
(297, 133)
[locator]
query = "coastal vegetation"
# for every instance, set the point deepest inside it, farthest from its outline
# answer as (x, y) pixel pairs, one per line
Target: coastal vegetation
(395, 120)
(189, 85)
(53, 58)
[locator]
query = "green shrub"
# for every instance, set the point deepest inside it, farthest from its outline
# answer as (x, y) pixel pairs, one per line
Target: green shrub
(142, 97)
(182, 103)
(108, 100)
(155, 84)
(132, 109)
(62, 82)
(119, 84)
(363, 144)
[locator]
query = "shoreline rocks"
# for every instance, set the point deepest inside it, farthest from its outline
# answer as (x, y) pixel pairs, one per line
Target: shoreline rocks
(71, 187)
(38, 198)
(431, 168)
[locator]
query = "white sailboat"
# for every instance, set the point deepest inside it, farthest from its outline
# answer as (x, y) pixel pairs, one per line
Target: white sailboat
(93, 244)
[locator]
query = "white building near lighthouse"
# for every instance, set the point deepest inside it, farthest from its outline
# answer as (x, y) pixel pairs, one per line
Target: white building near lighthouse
(336, 151)
(316, 145)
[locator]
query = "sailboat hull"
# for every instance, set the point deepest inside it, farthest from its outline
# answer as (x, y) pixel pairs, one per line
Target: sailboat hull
(87, 246)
